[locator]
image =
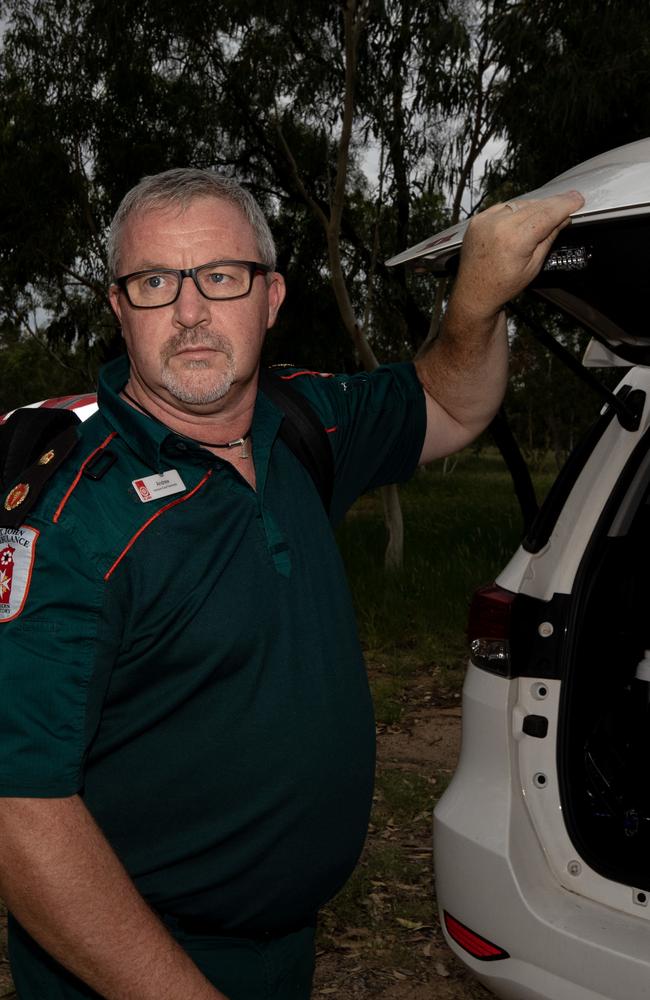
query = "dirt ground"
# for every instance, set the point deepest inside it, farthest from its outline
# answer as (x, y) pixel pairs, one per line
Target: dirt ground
(426, 742)
(394, 958)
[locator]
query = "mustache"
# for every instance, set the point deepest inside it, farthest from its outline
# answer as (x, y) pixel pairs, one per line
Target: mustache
(193, 338)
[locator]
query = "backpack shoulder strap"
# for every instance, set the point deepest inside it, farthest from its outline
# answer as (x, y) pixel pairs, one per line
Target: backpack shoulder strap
(32, 434)
(34, 441)
(303, 433)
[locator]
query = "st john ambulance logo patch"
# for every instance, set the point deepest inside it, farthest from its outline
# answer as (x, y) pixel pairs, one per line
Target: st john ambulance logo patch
(17, 547)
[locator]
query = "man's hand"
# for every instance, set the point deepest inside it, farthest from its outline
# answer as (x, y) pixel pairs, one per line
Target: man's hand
(464, 374)
(504, 249)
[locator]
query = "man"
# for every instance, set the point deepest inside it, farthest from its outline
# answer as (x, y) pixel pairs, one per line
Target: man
(188, 738)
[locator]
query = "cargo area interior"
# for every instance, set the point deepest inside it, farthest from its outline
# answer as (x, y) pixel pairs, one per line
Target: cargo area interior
(596, 273)
(604, 744)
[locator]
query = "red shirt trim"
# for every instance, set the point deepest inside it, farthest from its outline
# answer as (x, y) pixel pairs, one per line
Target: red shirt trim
(146, 524)
(73, 484)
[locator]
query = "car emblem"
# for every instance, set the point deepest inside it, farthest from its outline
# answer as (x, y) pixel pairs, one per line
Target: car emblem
(16, 496)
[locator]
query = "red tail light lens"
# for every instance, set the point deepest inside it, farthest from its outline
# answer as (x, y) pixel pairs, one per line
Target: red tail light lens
(479, 947)
(489, 629)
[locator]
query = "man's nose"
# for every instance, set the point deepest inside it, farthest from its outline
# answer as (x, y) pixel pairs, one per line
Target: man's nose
(191, 308)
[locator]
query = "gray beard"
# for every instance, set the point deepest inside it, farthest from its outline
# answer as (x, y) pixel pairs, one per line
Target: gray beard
(180, 384)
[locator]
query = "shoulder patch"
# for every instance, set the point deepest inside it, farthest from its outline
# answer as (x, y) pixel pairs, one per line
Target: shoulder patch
(17, 550)
(20, 430)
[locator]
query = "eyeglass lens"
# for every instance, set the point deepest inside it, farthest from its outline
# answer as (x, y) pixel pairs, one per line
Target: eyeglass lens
(215, 281)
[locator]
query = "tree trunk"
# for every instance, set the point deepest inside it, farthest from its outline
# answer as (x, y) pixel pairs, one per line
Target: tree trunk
(517, 467)
(355, 13)
(394, 556)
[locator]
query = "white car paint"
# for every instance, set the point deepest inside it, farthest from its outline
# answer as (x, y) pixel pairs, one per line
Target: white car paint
(614, 184)
(505, 865)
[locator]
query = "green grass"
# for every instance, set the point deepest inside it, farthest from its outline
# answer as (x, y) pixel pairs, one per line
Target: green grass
(460, 530)
(388, 897)
(403, 797)
(387, 696)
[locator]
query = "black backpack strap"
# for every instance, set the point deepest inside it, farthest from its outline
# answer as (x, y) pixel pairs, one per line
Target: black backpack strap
(303, 433)
(35, 441)
(33, 444)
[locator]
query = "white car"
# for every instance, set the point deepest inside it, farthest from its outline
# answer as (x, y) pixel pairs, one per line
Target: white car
(542, 840)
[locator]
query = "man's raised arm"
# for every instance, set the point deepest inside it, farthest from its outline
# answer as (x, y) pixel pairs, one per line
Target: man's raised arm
(464, 373)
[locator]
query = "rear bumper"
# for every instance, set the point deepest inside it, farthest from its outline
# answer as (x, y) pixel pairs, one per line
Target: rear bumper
(492, 875)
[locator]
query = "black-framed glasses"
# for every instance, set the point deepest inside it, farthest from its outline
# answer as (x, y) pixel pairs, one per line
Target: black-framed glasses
(218, 279)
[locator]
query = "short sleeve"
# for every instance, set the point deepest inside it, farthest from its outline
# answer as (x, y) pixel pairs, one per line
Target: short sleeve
(376, 424)
(48, 627)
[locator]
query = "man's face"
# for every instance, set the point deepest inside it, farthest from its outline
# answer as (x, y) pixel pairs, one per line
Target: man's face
(190, 354)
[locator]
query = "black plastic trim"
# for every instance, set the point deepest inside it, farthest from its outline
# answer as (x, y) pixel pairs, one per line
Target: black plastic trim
(535, 725)
(628, 418)
(558, 494)
(585, 580)
(535, 653)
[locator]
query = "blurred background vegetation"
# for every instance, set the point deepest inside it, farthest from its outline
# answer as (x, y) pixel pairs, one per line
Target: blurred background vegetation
(362, 126)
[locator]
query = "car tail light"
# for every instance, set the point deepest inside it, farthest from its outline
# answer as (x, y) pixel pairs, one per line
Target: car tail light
(489, 629)
(479, 947)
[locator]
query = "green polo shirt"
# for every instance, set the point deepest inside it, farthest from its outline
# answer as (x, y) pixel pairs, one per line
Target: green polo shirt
(181, 650)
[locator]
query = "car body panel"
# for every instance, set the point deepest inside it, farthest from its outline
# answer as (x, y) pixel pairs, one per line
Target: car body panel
(494, 875)
(615, 185)
(553, 569)
(505, 831)
(499, 832)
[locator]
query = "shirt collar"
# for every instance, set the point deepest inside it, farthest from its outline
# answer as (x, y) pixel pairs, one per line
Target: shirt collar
(156, 444)
(142, 434)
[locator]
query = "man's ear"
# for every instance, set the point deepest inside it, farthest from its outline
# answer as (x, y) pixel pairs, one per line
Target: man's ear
(114, 301)
(276, 293)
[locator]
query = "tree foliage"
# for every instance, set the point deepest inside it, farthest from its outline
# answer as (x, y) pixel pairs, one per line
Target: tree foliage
(358, 125)
(574, 84)
(95, 94)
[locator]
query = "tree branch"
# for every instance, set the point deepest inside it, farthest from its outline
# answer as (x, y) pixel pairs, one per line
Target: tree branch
(295, 174)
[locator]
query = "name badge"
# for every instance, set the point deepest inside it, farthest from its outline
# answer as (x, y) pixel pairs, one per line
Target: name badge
(154, 487)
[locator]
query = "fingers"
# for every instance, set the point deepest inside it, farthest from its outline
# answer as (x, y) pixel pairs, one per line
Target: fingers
(544, 214)
(528, 225)
(492, 209)
(505, 247)
(565, 203)
(540, 221)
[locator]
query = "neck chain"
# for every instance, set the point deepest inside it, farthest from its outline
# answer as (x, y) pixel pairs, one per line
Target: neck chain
(245, 453)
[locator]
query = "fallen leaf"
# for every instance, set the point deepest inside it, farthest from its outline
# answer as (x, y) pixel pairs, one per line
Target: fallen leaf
(411, 925)
(441, 970)
(352, 933)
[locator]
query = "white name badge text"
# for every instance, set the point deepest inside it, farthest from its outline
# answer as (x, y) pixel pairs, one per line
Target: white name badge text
(154, 487)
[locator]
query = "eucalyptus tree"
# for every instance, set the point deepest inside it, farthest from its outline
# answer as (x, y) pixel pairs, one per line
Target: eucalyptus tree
(84, 110)
(576, 80)
(299, 100)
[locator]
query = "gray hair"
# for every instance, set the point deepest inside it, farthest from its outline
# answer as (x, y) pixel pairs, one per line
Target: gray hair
(180, 187)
